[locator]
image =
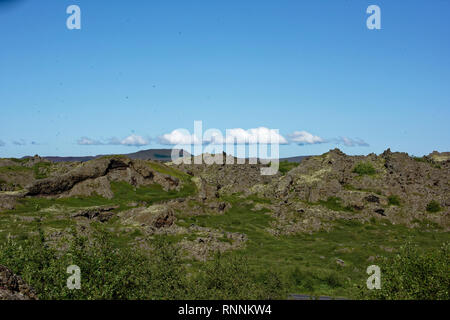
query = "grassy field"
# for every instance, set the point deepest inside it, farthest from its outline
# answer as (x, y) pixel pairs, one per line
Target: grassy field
(308, 263)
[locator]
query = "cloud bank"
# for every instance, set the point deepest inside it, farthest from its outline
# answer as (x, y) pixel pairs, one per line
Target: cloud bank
(261, 135)
(179, 136)
(349, 142)
(303, 137)
(130, 141)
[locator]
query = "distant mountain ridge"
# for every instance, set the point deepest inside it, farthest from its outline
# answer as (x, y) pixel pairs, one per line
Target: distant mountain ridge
(149, 154)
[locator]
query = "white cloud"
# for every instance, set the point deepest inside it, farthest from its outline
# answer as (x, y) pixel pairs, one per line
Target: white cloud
(304, 137)
(349, 142)
(85, 141)
(179, 136)
(132, 140)
(260, 135)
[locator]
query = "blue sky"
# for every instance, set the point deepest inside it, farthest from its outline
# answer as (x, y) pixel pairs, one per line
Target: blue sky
(145, 69)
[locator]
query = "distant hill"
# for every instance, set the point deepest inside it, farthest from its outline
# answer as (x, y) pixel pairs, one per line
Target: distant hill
(150, 154)
(294, 159)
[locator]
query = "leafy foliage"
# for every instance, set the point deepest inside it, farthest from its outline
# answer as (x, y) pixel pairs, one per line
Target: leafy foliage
(414, 275)
(108, 272)
(364, 168)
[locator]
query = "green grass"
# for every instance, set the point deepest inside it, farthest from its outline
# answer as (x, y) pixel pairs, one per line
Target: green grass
(161, 168)
(43, 208)
(286, 166)
(7, 169)
(42, 170)
(394, 200)
(433, 206)
(308, 262)
(364, 168)
(124, 193)
(335, 204)
(21, 161)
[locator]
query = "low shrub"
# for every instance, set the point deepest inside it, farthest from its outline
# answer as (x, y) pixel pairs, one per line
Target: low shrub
(364, 168)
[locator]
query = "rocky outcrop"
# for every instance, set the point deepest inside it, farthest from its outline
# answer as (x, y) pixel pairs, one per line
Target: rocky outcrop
(397, 187)
(153, 218)
(100, 213)
(210, 241)
(231, 176)
(8, 200)
(93, 177)
(12, 287)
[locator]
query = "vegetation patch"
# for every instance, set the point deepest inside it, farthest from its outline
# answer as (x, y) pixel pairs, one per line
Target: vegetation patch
(335, 204)
(108, 274)
(433, 206)
(168, 170)
(394, 200)
(42, 170)
(427, 160)
(7, 169)
(364, 168)
(286, 166)
(413, 274)
(308, 262)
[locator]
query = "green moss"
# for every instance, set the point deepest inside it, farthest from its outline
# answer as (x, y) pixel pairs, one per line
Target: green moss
(364, 168)
(394, 200)
(335, 204)
(433, 206)
(161, 168)
(7, 169)
(124, 193)
(286, 166)
(42, 170)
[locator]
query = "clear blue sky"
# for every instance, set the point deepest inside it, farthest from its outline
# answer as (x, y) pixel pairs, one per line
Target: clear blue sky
(150, 67)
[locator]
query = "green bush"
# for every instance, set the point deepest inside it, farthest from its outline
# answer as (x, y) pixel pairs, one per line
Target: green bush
(230, 277)
(394, 200)
(364, 168)
(433, 206)
(414, 275)
(111, 273)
